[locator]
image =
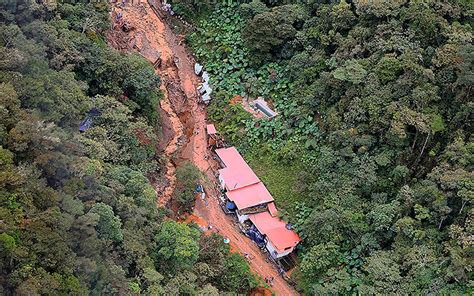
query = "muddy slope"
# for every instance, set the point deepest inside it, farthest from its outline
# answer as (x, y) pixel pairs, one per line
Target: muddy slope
(184, 136)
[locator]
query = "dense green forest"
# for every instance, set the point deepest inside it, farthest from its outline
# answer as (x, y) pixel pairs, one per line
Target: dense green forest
(372, 153)
(78, 215)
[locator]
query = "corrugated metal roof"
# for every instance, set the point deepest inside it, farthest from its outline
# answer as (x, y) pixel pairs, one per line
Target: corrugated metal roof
(237, 173)
(211, 129)
(263, 106)
(250, 196)
(272, 209)
(276, 231)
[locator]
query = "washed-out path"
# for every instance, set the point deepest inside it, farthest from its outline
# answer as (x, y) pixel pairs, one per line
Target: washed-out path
(184, 127)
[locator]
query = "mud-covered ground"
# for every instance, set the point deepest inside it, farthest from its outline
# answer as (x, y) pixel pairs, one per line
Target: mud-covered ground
(183, 132)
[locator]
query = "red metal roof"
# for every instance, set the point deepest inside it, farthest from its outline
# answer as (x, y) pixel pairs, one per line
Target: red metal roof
(272, 209)
(250, 196)
(211, 129)
(237, 173)
(276, 231)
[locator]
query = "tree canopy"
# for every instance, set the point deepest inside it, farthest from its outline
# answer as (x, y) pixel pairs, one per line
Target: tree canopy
(374, 107)
(78, 214)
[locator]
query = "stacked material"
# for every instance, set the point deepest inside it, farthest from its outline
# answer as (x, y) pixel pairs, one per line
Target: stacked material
(204, 89)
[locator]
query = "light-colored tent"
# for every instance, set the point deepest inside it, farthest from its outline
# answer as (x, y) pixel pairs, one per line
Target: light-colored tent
(206, 97)
(204, 88)
(205, 76)
(207, 88)
(201, 89)
(197, 69)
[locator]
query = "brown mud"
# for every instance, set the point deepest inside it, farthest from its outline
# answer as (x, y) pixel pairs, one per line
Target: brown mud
(183, 133)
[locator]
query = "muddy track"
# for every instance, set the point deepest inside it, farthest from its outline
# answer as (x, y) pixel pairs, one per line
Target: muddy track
(153, 39)
(174, 104)
(184, 124)
(171, 147)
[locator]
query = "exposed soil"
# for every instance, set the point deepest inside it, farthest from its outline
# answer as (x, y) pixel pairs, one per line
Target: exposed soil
(184, 136)
(261, 292)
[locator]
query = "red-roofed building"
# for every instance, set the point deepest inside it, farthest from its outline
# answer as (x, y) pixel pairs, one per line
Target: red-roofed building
(280, 241)
(211, 129)
(250, 196)
(250, 200)
(272, 209)
(241, 185)
(236, 172)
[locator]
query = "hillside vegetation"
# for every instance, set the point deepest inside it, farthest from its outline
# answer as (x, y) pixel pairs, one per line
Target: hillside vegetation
(375, 113)
(78, 215)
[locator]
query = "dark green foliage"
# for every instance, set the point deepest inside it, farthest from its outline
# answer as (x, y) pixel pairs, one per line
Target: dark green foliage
(249, 10)
(189, 8)
(177, 246)
(229, 272)
(85, 17)
(237, 276)
(127, 76)
(374, 109)
(230, 119)
(388, 69)
(319, 259)
(270, 32)
(78, 214)
(108, 225)
(187, 177)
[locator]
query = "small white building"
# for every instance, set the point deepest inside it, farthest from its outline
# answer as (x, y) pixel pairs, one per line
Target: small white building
(263, 107)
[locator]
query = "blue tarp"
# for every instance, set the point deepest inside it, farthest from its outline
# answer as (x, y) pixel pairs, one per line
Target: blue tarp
(256, 236)
(94, 112)
(85, 124)
(230, 206)
(199, 189)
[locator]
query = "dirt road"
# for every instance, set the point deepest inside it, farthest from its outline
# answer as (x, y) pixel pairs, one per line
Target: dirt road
(185, 127)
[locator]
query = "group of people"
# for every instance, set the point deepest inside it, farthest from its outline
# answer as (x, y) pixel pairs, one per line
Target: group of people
(269, 281)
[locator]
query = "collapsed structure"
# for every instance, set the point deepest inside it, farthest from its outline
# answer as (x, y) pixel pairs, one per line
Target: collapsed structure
(253, 204)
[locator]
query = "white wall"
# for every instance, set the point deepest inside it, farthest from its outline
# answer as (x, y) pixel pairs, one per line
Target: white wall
(221, 181)
(271, 249)
(242, 218)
